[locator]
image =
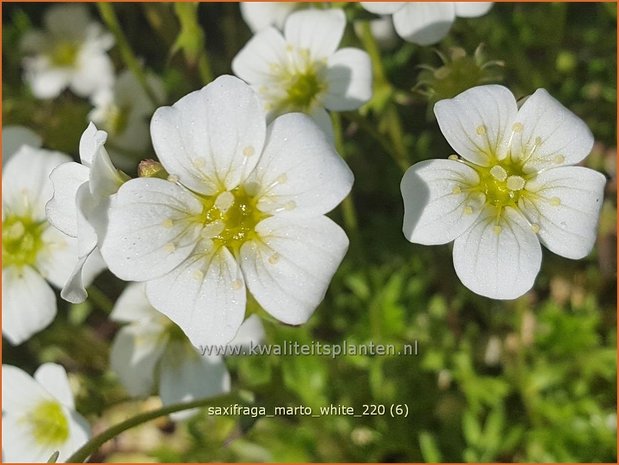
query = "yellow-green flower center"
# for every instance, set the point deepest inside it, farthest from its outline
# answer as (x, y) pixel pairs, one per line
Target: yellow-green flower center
(303, 89)
(230, 218)
(117, 119)
(48, 422)
(21, 240)
(64, 54)
(502, 183)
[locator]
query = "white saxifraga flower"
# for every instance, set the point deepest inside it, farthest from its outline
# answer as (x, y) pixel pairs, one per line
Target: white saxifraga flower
(123, 111)
(78, 208)
(426, 23)
(71, 52)
(302, 70)
(511, 188)
(244, 206)
(151, 353)
(33, 251)
(260, 15)
(38, 415)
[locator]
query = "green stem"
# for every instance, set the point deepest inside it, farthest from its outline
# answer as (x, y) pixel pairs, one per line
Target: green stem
(348, 206)
(100, 299)
(96, 442)
(111, 21)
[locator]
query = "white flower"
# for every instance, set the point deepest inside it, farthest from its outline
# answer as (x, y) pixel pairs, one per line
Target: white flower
(260, 15)
(71, 52)
(124, 111)
(38, 415)
(32, 250)
(426, 23)
(13, 137)
(512, 188)
(303, 70)
(78, 208)
(151, 353)
(244, 205)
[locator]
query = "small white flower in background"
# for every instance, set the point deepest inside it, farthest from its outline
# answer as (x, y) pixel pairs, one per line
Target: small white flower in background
(260, 15)
(124, 111)
(302, 70)
(152, 354)
(33, 251)
(426, 23)
(71, 52)
(78, 208)
(511, 188)
(38, 415)
(244, 206)
(13, 137)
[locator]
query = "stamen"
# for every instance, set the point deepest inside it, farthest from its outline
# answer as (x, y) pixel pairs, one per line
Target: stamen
(167, 223)
(481, 130)
(213, 229)
(273, 259)
(169, 247)
(517, 128)
(515, 183)
(456, 190)
(535, 227)
(498, 173)
(224, 201)
(555, 201)
(249, 151)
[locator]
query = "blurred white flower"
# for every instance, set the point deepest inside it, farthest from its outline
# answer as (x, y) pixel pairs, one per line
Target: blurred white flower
(511, 188)
(13, 137)
(260, 15)
(124, 111)
(426, 23)
(38, 415)
(152, 354)
(244, 205)
(32, 250)
(71, 52)
(302, 70)
(78, 208)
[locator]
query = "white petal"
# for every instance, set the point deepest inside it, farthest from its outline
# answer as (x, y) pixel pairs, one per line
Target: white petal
(150, 229)
(45, 82)
(211, 138)
(94, 71)
(26, 187)
(90, 142)
(288, 270)
(499, 265)
(187, 376)
(28, 304)
(555, 135)
(58, 256)
(349, 77)
(13, 137)
(260, 15)
(472, 9)
(104, 177)
(424, 23)
(321, 117)
(254, 62)
(132, 305)
(300, 173)
(61, 210)
(135, 352)
(204, 296)
(79, 434)
(566, 208)
(319, 31)
(18, 443)
(67, 21)
(437, 208)
(20, 392)
(250, 332)
(53, 378)
(382, 8)
(478, 122)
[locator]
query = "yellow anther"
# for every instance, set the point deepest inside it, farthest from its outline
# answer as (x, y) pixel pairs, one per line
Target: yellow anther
(248, 151)
(498, 173)
(535, 227)
(282, 178)
(167, 223)
(273, 259)
(199, 162)
(497, 229)
(453, 157)
(224, 201)
(173, 178)
(237, 284)
(198, 275)
(468, 210)
(555, 201)
(558, 159)
(481, 130)
(456, 190)
(517, 128)
(515, 183)
(291, 205)
(169, 247)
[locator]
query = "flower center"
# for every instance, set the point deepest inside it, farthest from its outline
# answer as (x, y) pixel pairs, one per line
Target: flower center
(64, 54)
(116, 119)
(49, 423)
(230, 218)
(502, 183)
(21, 240)
(303, 89)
